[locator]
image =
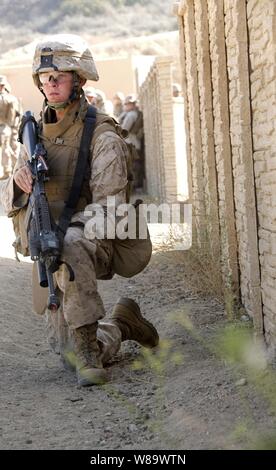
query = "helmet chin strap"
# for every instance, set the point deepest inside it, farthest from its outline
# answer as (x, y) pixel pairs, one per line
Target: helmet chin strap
(57, 106)
(75, 94)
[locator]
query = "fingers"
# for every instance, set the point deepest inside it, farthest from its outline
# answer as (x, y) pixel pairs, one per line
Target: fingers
(23, 179)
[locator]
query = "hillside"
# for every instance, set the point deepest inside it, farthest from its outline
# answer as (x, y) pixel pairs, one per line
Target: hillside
(157, 44)
(102, 19)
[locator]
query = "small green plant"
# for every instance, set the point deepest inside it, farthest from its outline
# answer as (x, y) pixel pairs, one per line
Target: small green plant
(157, 363)
(236, 345)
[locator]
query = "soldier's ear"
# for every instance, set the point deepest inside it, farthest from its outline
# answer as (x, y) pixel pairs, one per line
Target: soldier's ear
(82, 81)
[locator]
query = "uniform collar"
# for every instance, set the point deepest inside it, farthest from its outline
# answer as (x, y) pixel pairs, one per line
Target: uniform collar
(74, 112)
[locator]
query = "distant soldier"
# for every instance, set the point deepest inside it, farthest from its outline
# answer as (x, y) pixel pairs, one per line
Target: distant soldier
(100, 100)
(7, 120)
(90, 95)
(14, 143)
(118, 104)
(132, 121)
(176, 90)
(97, 98)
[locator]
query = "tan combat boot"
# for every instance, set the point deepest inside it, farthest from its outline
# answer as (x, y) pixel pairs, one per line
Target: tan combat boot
(133, 325)
(89, 366)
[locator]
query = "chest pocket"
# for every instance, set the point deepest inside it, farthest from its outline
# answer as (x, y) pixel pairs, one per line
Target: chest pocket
(62, 160)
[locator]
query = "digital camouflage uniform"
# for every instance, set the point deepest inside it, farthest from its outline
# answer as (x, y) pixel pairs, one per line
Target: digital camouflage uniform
(7, 119)
(118, 104)
(128, 121)
(89, 258)
(15, 145)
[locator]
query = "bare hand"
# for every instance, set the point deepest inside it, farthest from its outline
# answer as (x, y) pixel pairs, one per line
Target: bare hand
(23, 179)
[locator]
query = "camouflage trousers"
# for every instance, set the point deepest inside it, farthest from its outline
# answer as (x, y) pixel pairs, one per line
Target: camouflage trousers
(15, 147)
(6, 153)
(81, 303)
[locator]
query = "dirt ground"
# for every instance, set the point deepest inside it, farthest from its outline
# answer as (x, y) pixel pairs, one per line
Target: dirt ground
(184, 396)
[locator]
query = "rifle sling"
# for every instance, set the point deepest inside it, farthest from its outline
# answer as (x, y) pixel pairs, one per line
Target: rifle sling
(81, 167)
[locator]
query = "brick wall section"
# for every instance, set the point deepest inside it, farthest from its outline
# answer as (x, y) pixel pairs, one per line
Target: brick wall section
(208, 124)
(164, 68)
(157, 104)
(207, 129)
(182, 56)
(193, 115)
(242, 158)
(262, 46)
(236, 40)
(222, 145)
(149, 104)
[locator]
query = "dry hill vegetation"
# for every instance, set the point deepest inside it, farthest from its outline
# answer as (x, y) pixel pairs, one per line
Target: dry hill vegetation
(23, 20)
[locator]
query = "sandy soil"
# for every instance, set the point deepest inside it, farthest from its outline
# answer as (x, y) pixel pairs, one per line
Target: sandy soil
(183, 397)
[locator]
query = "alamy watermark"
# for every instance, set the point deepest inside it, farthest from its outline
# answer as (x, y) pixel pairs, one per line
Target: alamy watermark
(169, 225)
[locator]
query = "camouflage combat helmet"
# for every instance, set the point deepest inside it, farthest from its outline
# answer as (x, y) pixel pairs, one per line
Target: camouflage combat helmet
(130, 99)
(4, 81)
(90, 91)
(64, 53)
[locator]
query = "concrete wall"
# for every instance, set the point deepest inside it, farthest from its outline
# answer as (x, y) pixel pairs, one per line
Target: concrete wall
(227, 50)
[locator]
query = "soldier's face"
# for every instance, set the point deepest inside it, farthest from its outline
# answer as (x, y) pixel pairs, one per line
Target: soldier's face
(129, 106)
(91, 99)
(57, 87)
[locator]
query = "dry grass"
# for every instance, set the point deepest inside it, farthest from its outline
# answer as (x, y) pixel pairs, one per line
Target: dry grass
(202, 275)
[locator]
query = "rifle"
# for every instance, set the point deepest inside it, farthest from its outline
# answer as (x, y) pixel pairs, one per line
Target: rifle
(44, 244)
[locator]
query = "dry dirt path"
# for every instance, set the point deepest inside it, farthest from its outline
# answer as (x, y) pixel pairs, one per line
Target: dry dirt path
(184, 397)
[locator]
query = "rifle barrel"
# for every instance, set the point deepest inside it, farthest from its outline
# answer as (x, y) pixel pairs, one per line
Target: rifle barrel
(30, 135)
